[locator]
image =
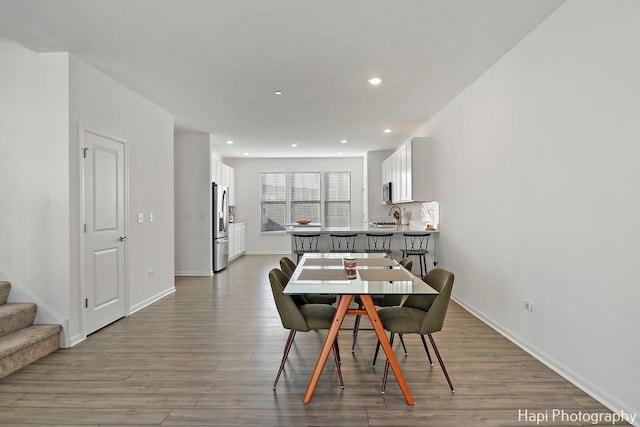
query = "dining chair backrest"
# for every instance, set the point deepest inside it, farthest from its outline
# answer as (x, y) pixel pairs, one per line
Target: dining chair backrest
(290, 314)
(435, 305)
(391, 300)
(287, 266)
(406, 263)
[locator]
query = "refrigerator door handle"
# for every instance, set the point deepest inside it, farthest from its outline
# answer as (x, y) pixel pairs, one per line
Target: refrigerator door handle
(222, 240)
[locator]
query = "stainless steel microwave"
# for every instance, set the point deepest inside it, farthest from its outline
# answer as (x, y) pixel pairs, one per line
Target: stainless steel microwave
(386, 192)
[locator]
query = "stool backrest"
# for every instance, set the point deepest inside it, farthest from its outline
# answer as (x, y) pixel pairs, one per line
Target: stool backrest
(379, 241)
(306, 242)
(343, 242)
(416, 241)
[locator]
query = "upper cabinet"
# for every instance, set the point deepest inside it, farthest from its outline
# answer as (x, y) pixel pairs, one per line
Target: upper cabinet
(406, 169)
(226, 175)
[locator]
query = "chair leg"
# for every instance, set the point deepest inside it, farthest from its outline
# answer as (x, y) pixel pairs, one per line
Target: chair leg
(287, 347)
(424, 343)
(386, 367)
(356, 327)
(336, 356)
(375, 355)
(433, 344)
(404, 347)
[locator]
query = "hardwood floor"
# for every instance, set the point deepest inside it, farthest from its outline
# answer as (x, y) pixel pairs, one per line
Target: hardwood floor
(208, 354)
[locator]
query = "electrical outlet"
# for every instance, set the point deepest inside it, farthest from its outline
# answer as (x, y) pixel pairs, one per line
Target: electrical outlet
(528, 305)
(152, 273)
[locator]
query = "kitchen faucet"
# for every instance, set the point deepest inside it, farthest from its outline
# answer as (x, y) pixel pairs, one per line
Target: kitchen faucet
(395, 211)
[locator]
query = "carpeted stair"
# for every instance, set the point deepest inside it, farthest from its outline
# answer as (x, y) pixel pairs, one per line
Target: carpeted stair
(22, 342)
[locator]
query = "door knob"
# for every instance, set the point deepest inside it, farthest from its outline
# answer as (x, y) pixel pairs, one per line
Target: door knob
(123, 238)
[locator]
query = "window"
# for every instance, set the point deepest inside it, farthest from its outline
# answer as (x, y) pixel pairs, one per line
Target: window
(321, 198)
(337, 205)
(273, 196)
(305, 196)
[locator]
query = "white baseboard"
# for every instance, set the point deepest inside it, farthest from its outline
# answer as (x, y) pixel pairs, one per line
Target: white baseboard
(194, 273)
(564, 371)
(73, 341)
(151, 300)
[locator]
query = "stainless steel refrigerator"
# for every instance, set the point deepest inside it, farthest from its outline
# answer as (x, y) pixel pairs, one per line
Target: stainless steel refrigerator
(220, 226)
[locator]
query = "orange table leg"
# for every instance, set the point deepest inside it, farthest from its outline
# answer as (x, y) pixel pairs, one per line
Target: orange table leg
(367, 301)
(343, 306)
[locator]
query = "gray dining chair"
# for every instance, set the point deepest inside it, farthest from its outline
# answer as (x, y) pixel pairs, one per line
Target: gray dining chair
(288, 267)
(422, 315)
(300, 318)
(381, 301)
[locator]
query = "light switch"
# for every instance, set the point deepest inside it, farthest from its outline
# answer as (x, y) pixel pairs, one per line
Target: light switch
(140, 217)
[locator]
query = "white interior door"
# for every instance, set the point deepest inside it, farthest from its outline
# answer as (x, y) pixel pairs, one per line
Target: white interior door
(105, 229)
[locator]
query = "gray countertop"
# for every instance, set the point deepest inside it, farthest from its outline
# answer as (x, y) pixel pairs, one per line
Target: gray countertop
(359, 229)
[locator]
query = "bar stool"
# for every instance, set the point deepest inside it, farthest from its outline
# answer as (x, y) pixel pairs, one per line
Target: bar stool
(415, 244)
(343, 242)
(379, 242)
(304, 243)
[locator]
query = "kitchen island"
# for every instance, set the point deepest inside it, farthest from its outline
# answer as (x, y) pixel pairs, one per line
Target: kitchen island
(397, 241)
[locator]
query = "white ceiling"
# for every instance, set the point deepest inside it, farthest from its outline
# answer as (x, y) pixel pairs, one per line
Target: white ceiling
(215, 64)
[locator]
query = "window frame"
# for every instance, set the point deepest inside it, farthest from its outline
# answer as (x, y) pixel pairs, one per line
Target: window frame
(289, 203)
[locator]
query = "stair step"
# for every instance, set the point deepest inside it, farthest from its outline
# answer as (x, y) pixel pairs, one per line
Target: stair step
(5, 287)
(16, 316)
(27, 345)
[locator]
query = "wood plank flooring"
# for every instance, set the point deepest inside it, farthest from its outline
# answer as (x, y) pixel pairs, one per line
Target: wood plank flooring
(208, 354)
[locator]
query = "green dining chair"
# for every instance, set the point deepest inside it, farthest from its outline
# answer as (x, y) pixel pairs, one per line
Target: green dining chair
(288, 267)
(422, 315)
(300, 318)
(381, 301)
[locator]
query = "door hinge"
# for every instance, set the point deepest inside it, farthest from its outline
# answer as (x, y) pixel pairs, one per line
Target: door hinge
(84, 152)
(86, 303)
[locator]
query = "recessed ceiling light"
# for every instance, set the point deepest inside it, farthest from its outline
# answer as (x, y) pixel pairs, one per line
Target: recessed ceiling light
(246, 154)
(387, 130)
(375, 81)
(278, 92)
(229, 141)
(344, 141)
(340, 153)
(295, 144)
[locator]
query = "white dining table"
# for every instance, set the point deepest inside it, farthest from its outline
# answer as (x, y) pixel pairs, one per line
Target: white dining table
(375, 274)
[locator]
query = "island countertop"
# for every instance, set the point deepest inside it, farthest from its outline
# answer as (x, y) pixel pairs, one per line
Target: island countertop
(358, 230)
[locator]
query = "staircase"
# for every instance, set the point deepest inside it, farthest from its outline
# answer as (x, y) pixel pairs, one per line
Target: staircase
(22, 342)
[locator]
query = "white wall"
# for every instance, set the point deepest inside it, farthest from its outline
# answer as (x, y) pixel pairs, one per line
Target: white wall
(537, 174)
(193, 162)
(248, 194)
(376, 210)
(34, 177)
(99, 102)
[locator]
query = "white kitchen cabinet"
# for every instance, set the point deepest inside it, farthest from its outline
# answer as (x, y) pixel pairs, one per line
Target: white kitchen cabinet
(407, 169)
(226, 175)
(232, 186)
(237, 240)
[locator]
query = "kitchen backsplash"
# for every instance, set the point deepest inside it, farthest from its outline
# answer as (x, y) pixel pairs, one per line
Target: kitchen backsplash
(427, 212)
